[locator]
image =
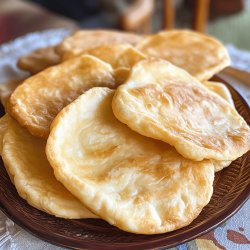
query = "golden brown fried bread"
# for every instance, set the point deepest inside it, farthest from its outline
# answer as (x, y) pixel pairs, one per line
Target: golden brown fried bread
(219, 165)
(36, 102)
(136, 183)
(220, 89)
(4, 121)
(3, 127)
(7, 88)
(118, 55)
(164, 102)
(223, 91)
(122, 57)
(25, 159)
(39, 60)
(202, 56)
(88, 39)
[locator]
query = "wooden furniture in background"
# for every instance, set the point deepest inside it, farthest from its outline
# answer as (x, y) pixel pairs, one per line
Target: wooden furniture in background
(169, 14)
(225, 7)
(201, 15)
(138, 17)
(220, 7)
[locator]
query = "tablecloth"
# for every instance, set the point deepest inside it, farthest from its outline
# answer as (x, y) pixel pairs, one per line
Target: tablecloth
(231, 235)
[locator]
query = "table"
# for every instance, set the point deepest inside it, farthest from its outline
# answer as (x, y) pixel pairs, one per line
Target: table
(30, 17)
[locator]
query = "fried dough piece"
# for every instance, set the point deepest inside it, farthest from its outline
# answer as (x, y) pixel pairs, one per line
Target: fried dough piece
(3, 127)
(223, 91)
(122, 57)
(220, 89)
(25, 159)
(36, 102)
(164, 102)
(39, 60)
(219, 165)
(4, 121)
(136, 183)
(88, 39)
(202, 56)
(6, 89)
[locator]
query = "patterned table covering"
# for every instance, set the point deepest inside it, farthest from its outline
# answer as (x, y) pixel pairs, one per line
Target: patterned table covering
(231, 235)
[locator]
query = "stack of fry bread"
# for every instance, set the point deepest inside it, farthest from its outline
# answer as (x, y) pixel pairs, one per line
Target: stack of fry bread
(125, 128)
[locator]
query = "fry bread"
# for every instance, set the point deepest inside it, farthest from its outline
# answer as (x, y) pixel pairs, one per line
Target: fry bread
(36, 102)
(202, 56)
(39, 60)
(3, 127)
(122, 57)
(25, 160)
(223, 91)
(164, 102)
(136, 183)
(83, 40)
(220, 89)
(7, 88)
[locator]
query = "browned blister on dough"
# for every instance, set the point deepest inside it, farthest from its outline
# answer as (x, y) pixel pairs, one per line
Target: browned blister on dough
(36, 102)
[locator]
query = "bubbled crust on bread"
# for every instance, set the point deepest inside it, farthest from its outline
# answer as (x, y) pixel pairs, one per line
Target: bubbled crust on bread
(164, 102)
(36, 102)
(83, 40)
(136, 183)
(202, 56)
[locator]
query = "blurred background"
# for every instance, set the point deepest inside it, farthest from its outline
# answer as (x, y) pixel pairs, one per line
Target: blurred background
(228, 20)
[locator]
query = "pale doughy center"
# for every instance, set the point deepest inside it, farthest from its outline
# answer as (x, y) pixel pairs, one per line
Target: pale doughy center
(136, 183)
